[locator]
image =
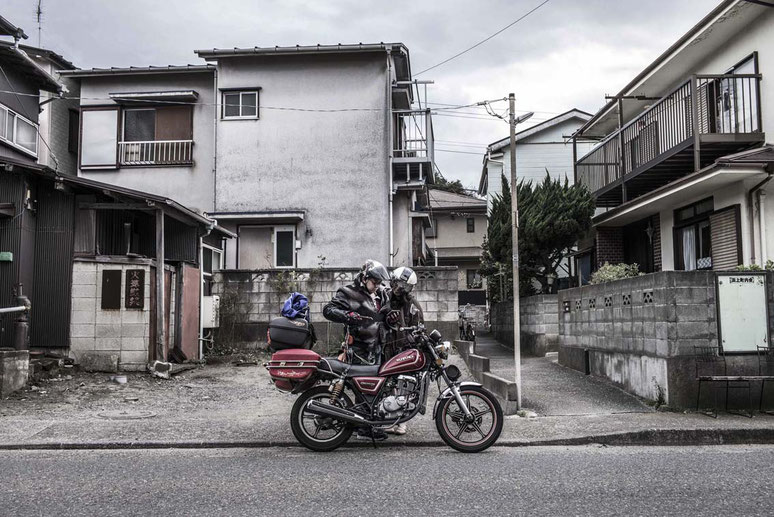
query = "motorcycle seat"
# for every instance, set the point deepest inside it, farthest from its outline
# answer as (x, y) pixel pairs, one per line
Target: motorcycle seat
(355, 370)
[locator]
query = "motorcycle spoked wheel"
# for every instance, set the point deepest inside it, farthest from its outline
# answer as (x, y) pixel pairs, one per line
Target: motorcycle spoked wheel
(473, 435)
(319, 433)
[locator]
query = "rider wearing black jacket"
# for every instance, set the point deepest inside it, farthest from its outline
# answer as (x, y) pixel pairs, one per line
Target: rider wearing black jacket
(358, 306)
(403, 310)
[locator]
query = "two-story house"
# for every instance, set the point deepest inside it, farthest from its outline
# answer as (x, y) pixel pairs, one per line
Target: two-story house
(541, 149)
(459, 228)
(319, 154)
(681, 167)
(544, 147)
(309, 155)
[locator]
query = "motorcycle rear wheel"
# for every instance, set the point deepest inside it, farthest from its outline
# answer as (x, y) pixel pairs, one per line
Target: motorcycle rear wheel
(479, 433)
(307, 428)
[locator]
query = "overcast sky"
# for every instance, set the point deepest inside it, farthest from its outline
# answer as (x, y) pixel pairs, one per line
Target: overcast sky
(567, 54)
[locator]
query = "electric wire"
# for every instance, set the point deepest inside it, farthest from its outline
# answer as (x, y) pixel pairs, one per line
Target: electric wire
(484, 40)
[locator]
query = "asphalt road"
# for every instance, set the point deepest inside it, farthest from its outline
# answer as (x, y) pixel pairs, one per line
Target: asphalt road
(593, 480)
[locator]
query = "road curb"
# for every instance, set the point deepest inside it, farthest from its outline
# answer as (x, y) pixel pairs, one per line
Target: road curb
(650, 437)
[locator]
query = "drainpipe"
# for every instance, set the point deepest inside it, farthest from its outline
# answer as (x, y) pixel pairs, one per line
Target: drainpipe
(751, 218)
(216, 108)
(762, 224)
(389, 154)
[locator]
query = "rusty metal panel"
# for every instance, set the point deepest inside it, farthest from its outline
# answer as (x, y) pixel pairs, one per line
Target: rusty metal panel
(11, 191)
(52, 269)
(189, 312)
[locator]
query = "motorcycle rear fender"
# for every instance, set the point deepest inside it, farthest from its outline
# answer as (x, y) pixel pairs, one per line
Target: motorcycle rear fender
(448, 394)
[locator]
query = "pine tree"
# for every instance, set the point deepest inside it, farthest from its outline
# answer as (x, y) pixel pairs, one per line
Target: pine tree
(553, 215)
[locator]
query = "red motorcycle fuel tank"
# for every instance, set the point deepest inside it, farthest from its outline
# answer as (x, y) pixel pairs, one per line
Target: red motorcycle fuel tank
(407, 361)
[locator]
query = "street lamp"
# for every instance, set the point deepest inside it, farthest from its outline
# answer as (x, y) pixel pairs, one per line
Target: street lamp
(513, 121)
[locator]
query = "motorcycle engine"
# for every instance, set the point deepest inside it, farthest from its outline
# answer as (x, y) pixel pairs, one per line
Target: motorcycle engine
(402, 397)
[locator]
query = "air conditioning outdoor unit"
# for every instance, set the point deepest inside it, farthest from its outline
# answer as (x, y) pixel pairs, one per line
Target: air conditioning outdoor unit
(211, 311)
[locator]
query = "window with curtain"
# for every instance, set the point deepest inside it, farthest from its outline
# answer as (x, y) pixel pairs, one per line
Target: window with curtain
(692, 236)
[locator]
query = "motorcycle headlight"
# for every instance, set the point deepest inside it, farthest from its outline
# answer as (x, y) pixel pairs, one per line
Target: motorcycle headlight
(442, 349)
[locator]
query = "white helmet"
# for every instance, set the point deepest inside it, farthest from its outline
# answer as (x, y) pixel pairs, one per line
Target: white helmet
(403, 279)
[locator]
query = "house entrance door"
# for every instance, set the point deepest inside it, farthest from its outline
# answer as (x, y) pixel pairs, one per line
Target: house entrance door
(638, 248)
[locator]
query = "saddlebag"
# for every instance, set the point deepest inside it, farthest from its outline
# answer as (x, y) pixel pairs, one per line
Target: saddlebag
(285, 333)
(291, 368)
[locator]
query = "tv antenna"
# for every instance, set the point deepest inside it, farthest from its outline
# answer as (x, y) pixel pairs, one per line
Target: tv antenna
(39, 15)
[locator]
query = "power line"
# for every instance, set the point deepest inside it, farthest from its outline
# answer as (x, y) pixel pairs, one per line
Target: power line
(484, 40)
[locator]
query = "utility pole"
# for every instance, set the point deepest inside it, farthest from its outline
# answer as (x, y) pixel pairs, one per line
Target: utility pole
(513, 120)
(515, 240)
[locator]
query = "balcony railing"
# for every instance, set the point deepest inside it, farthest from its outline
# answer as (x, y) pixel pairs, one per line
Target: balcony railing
(156, 152)
(727, 108)
(413, 146)
(413, 138)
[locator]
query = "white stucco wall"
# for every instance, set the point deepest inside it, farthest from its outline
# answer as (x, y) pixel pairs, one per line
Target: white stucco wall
(401, 223)
(452, 231)
(334, 166)
(544, 150)
(190, 186)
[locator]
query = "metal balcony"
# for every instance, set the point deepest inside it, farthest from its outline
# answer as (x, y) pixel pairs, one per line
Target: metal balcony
(412, 150)
(156, 152)
(661, 144)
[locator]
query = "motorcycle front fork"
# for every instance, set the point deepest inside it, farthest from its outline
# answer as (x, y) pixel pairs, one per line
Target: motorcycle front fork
(455, 389)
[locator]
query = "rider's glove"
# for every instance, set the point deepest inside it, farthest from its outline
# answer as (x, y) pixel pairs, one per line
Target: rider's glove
(354, 318)
(393, 317)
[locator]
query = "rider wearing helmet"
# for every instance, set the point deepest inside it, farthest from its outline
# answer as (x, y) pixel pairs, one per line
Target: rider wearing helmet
(358, 306)
(402, 311)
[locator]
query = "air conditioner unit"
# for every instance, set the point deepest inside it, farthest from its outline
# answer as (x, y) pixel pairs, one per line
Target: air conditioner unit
(211, 311)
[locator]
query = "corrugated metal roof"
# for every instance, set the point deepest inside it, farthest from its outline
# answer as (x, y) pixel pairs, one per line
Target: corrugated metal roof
(9, 29)
(215, 53)
(137, 70)
(135, 194)
(444, 200)
(19, 58)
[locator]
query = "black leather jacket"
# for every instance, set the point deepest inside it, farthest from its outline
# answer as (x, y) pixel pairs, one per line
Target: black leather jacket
(355, 298)
(410, 316)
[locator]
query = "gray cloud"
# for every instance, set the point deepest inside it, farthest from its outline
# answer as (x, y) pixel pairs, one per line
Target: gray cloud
(567, 54)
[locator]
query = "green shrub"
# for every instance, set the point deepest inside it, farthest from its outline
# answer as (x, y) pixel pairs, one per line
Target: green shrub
(610, 272)
(755, 267)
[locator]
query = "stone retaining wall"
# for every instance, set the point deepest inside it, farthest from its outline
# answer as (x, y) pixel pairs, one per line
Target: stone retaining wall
(252, 298)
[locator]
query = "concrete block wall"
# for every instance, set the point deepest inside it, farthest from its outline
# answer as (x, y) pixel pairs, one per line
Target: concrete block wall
(538, 321)
(101, 337)
(257, 296)
(641, 332)
(14, 370)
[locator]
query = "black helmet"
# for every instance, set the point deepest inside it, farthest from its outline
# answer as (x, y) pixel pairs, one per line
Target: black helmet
(375, 270)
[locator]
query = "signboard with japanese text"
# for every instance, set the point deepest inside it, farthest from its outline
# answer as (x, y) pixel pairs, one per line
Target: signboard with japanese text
(134, 295)
(743, 322)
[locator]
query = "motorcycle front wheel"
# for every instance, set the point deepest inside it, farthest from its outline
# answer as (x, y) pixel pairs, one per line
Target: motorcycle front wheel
(472, 434)
(319, 433)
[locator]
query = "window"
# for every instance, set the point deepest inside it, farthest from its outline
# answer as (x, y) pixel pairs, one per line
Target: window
(284, 246)
(212, 261)
(261, 247)
(100, 138)
(18, 131)
(240, 104)
(471, 225)
(157, 136)
(474, 279)
(692, 236)
(73, 126)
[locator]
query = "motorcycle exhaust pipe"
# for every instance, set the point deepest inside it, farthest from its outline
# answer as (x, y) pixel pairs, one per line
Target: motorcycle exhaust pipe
(338, 413)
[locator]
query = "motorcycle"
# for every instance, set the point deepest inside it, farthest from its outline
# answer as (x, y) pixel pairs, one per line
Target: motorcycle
(468, 417)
